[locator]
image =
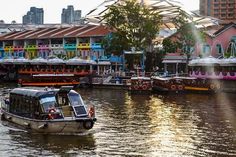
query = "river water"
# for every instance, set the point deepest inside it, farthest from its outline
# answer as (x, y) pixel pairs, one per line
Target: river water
(139, 125)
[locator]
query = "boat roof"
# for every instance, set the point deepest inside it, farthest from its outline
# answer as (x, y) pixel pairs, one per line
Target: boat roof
(39, 91)
(53, 75)
(34, 91)
(161, 78)
(140, 78)
(185, 78)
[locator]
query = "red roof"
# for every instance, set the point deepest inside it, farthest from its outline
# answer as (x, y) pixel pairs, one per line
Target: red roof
(35, 34)
(11, 36)
(2, 36)
(79, 30)
(60, 34)
(96, 31)
(47, 33)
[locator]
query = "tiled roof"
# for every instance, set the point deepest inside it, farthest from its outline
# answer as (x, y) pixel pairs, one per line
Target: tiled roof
(23, 35)
(37, 33)
(11, 36)
(226, 27)
(96, 31)
(79, 30)
(2, 36)
(47, 33)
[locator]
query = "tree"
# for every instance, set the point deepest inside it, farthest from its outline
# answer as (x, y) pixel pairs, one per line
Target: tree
(188, 35)
(170, 46)
(134, 24)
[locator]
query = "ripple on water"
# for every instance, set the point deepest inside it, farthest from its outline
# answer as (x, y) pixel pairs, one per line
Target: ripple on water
(140, 125)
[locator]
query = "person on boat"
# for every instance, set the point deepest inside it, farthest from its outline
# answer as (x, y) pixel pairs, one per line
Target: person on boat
(6, 100)
(52, 112)
(166, 73)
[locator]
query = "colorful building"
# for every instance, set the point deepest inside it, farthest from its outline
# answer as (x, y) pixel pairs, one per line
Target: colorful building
(84, 41)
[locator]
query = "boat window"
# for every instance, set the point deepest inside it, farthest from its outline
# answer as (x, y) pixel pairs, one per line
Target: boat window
(48, 102)
(75, 99)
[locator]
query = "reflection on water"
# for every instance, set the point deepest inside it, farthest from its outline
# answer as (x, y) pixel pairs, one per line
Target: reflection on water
(140, 125)
(25, 144)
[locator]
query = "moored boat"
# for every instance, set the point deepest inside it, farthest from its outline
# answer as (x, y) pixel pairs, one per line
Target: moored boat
(48, 111)
(184, 84)
(167, 84)
(49, 80)
(140, 84)
(199, 84)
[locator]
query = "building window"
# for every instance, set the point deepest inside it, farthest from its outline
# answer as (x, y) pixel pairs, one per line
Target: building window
(223, 5)
(206, 49)
(230, 15)
(219, 49)
(216, 10)
(223, 15)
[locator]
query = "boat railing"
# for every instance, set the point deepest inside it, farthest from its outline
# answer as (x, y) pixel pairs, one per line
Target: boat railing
(215, 74)
(53, 71)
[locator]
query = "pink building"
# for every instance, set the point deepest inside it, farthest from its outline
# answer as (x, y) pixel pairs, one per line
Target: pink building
(217, 43)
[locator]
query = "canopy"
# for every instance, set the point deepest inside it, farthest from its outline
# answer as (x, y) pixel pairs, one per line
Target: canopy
(55, 60)
(38, 60)
(168, 9)
(77, 61)
(8, 60)
(21, 60)
(228, 61)
(204, 61)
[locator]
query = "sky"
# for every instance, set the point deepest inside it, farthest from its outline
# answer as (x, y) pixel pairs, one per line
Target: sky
(15, 9)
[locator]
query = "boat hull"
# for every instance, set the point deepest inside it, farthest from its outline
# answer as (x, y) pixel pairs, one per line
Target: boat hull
(68, 126)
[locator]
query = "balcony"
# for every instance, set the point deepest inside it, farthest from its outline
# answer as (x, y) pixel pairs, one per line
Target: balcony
(18, 48)
(43, 47)
(96, 45)
(57, 46)
(70, 46)
(31, 47)
(84, 46)
(8, 48)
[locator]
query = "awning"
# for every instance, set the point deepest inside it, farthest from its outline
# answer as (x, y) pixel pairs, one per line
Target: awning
(173, 61)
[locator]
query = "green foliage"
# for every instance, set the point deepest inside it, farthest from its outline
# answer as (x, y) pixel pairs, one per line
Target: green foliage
(134, 25)
(113, 44)
(227, 54)
(188, 34)
(170, 46)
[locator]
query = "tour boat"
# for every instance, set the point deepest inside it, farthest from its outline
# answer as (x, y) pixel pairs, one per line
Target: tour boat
(48, 111)
(55, 80)
(183, 84)
(140, 84)
(54, 72)
(166, 84)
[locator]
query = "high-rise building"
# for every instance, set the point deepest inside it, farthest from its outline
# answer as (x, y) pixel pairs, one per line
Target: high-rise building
(34, 16)
(70, 15)
(224, 10)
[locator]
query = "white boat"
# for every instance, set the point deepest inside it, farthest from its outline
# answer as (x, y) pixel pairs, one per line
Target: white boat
(49, 111)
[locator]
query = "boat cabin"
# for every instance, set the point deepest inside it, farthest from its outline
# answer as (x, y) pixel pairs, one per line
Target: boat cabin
(46, 103)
